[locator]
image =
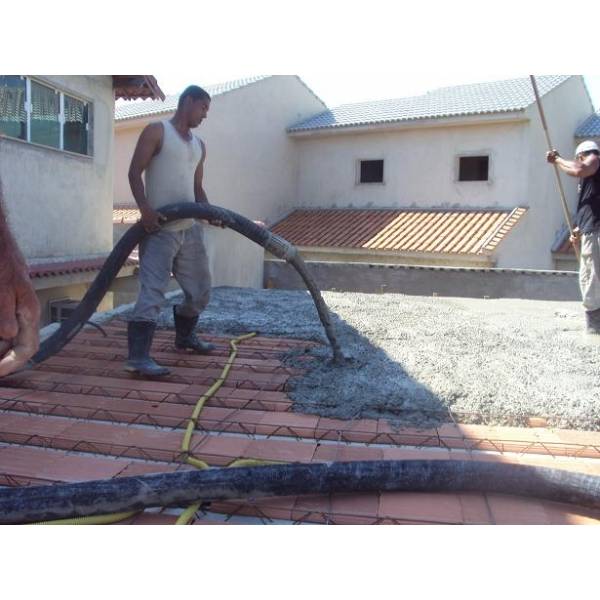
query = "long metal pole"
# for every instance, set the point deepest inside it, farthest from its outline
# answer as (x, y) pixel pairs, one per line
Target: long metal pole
(556, 172)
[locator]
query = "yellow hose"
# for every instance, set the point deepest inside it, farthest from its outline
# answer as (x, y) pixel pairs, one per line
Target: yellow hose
(97, 520)
(188, 514)
(253, 462)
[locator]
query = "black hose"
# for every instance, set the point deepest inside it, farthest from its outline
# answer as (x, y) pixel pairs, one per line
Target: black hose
(187, 210)
(32, 504)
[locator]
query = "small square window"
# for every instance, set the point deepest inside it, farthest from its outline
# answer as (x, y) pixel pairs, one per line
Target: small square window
(473, 168)
(371, 171)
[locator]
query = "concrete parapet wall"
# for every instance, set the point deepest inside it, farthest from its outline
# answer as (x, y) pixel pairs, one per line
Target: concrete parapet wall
(427, 281)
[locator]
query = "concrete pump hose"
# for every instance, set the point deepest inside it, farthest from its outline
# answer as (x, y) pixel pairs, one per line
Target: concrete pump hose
(183, 488)
(186, 210)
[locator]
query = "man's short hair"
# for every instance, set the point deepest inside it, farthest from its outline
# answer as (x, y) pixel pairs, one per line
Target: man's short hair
(195, 92)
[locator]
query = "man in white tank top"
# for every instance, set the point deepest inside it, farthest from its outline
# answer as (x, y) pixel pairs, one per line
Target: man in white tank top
(172, 160)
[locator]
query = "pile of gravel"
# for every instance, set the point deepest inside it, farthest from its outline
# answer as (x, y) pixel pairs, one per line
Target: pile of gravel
(421, 361)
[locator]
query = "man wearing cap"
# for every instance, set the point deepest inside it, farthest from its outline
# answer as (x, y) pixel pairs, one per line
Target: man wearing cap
(586, 235)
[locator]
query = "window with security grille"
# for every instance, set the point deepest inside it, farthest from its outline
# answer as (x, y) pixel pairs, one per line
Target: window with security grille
(13, 116)
(75, 125)
(473, 168)
(45, 115)
(371, 171)
(37, 112)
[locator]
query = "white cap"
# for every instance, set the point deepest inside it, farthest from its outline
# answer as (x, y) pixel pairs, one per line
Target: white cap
(586, 147)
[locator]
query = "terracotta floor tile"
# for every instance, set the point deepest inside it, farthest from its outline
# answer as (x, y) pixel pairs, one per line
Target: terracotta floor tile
(433, 508)
(147, 518)
(296, 421)
(475, 509)
(313, 509)
(264, 510)
(403, 453)
(355, 509)
(126, 441)
(512, 510)
(343, 453)
(407, 436)
(566, 514)
(273, 508)
(280, 450)
(134, 468)
(358, 430)
(28, 425)
(220, 450)
(565, 436)
(54, 465)
(7, 393)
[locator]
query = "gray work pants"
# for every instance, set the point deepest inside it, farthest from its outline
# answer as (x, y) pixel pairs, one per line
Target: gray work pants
(589, 270)
(182, 253)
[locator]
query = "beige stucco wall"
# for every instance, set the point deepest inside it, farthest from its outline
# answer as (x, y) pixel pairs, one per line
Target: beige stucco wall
(59, 204)
(250, 166)
(67, 292)
(420, 167)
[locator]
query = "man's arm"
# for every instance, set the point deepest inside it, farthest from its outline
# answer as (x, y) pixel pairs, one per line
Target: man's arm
(575, 168)
(19, 306)
(147, 147)
(199, 193)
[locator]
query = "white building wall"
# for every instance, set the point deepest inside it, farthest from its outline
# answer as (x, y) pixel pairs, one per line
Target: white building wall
(59, 204)
(420, 168)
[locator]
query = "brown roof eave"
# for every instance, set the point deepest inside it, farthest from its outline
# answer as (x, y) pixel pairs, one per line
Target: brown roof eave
(133, 87)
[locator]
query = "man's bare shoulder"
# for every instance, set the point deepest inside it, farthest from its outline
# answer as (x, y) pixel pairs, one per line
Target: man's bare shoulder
(151, 138)
(153, 130)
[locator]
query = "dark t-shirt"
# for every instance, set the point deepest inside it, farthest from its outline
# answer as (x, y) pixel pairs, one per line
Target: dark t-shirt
(588, 208)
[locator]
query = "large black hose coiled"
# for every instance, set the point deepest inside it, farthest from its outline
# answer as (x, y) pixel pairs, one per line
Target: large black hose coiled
(134, 235)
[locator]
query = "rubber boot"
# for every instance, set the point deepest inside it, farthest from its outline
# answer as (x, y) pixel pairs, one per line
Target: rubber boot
(139, 337)
(592, 319)
(185, 338)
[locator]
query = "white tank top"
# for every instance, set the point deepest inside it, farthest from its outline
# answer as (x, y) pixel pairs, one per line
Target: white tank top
(169, 177)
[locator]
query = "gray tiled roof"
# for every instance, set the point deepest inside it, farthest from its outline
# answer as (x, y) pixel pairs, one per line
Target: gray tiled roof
(590, 127)
(479, 98)
(145, 108)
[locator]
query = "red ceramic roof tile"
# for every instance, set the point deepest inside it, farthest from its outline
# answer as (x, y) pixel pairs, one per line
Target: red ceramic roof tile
(473, 232)
(53, 269)
(126, 214)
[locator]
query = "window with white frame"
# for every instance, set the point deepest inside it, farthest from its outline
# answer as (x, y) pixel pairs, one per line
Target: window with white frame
(36, 112)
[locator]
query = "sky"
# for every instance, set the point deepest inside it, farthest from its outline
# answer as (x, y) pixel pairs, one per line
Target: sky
(343, 87)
